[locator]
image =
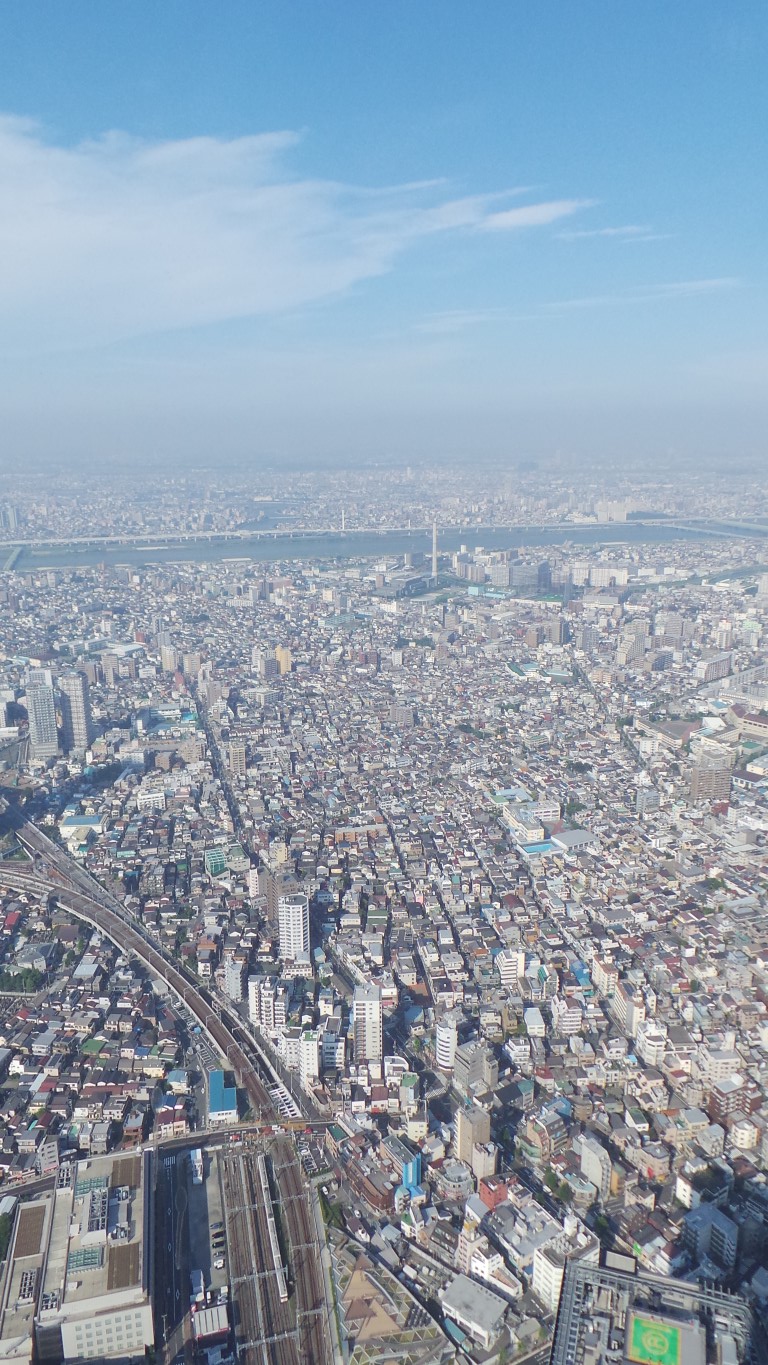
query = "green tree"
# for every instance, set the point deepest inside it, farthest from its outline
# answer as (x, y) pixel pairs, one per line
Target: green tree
(27, 980)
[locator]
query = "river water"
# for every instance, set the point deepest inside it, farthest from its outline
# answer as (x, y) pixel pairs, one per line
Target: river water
(282, 546)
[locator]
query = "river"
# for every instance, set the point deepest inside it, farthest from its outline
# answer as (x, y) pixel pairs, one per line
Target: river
(284, 546)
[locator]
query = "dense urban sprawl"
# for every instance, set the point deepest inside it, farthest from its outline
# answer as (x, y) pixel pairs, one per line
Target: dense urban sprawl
(479, 858)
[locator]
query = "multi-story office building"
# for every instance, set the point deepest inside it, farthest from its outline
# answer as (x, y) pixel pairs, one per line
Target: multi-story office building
(110, 664)
(77, 725)
(709, 1232)
(473, 1126)
(475, 1068)
(265, 663)
(41, 710)
(293, 923)
(574, 1243)
(367, 1023)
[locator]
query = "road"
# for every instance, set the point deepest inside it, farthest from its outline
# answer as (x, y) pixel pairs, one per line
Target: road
(171, 1256)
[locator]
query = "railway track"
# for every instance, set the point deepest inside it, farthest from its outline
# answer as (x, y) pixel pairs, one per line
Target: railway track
(296, 1333)
(76, 892)
(267, 1330)
(306, 1268)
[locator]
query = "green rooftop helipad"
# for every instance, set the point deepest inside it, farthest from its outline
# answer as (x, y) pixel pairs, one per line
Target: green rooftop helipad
(652, 1342)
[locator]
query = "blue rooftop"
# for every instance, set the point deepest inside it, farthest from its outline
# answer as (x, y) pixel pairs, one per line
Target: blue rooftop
(221, 1097)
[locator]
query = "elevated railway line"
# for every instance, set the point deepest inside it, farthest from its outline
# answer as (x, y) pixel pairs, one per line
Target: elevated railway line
(299, 1324)
(52, 872)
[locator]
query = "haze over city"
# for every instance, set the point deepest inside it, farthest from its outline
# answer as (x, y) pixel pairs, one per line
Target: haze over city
(383, 232)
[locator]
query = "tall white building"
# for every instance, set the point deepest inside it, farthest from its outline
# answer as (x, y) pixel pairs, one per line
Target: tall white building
(567, 1016)
(332, 1044)
(77, 726)
(293, 922)
(574, 1242)
(41, 710)
(367, 1023)
(447, 1039)
(629, 1008)
(510, 964)
(254, 1000)
(596, 1165)
(234, 973)
(309, 1056)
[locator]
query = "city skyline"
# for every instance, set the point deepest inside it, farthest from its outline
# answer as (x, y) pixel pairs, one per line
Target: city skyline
(420, 233)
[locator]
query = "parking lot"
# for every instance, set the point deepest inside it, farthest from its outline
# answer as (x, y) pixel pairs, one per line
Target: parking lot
(207, 1242)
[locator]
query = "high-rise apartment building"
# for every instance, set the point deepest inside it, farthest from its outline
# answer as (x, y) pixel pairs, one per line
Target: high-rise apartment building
(41, 710)
(293, 923)
(191, 663)
(711, 775)
(237, 757)
(77, 725)
(234, 976)
(264, 662)
(110, 663)
(367, 1023)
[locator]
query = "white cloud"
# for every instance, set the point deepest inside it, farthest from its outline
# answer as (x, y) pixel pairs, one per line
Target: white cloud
(454, 320)
(116, 237)
(628, 230)
(534, 215)
(677, 289)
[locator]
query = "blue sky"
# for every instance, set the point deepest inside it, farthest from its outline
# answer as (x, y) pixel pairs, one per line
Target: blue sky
(383, 229)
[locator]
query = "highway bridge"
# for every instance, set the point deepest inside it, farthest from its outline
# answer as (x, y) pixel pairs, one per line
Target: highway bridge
(14, 546)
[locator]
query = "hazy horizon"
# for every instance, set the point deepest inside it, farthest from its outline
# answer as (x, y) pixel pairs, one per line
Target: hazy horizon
(383, 234)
